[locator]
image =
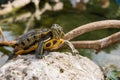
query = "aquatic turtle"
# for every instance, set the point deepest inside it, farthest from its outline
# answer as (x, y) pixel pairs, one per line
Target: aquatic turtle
(41, 40)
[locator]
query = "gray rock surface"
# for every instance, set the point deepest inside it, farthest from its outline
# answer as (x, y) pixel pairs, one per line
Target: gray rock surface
(54, 66)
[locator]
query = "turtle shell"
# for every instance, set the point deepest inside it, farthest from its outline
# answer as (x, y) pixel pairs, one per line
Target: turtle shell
(32, 38)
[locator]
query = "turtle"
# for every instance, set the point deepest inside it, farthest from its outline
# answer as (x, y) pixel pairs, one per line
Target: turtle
(41, 40)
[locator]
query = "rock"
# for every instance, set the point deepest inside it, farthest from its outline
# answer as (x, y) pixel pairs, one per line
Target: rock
(54, 66)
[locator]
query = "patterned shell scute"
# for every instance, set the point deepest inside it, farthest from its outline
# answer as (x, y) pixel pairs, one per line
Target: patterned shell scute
(30, 38)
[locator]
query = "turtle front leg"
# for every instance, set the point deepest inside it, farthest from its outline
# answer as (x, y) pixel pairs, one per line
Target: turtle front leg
(71, 47)
(39, 50)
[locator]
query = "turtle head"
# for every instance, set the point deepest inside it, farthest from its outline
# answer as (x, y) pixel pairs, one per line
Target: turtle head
(57, 31)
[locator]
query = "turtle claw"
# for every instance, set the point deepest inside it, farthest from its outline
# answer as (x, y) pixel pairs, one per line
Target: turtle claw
(39, 56)
(74, 52)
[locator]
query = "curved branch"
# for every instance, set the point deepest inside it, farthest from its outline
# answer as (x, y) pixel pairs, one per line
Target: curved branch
(98, 44)
(91, 27)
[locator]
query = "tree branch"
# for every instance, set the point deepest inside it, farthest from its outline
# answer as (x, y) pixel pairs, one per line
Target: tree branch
(8, 43)
(96, 44)
(14, 5)
(91, 27)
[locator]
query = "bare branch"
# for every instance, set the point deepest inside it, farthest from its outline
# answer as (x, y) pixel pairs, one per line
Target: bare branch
(98, 44)
(91, 27)
(3, 37)
(14, 5)
(8, 43)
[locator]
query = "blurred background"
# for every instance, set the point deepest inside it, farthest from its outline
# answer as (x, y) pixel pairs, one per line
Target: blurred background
(19, 16)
